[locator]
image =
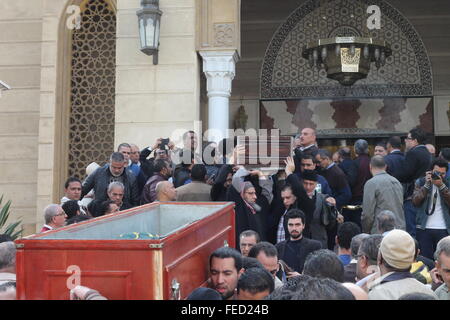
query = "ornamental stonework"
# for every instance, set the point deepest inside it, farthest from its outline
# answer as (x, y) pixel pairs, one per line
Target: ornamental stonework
(224, 34)
(91, 127)
(287, 75)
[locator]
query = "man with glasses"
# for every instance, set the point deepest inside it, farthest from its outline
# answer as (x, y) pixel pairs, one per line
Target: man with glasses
(267, 254)
(432, 198)
(417, 162)
(250, 214)
(54, 216)
(366, 260)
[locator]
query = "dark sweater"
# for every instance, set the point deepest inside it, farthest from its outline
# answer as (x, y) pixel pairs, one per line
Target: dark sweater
(394, 162)
(294, 253)
(417, 162)
(350, 170)
(362, 163)
(339, 186)
(218, 190)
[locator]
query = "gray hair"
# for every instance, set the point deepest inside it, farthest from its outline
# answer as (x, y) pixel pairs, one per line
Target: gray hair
(356, 243)
(378, 162)
(361, 147)
(386, 221)
(115, 184)
(117, 157)
(443, 246)
(50, 211)
(250, 233)
(160, 186)
(7, 254)
(323, 153)
(370, 246)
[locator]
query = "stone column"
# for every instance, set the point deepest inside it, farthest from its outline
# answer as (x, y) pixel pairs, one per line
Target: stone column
(219, 68)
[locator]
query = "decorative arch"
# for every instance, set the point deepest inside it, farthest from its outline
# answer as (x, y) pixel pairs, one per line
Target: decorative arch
(85, 97)
(286, 75)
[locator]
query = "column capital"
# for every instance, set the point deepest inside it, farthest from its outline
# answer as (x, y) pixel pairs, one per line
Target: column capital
(219, 68)
(223, 60)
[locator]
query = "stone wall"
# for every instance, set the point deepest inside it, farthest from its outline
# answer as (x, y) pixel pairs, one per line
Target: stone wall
(154, 100)
(20, 67)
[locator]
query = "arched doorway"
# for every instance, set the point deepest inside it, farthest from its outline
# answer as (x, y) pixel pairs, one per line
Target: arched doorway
(86, 90)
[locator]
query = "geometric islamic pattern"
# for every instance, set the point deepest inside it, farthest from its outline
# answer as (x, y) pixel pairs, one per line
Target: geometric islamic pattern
(91, 129)
(286, 74)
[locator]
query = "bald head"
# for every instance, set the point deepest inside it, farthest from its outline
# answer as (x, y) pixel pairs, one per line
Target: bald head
(165, 191)
(431, 149)
(307, 137)
(134, 155)
(357, 291)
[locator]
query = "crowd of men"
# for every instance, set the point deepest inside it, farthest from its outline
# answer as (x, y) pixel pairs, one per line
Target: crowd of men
(326, 226)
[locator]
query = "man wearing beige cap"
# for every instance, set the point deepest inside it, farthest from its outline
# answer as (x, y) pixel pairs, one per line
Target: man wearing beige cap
(395, 257)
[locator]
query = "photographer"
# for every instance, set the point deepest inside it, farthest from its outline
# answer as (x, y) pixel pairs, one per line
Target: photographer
(159, 150)
(432, 199)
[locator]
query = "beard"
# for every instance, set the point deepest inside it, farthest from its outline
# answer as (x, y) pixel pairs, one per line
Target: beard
(226, 294)
(295, 235)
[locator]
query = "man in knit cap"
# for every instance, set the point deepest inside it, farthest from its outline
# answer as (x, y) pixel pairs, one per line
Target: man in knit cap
(395, 257)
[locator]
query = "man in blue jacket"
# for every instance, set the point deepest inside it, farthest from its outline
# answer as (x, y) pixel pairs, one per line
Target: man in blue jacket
(432, 199)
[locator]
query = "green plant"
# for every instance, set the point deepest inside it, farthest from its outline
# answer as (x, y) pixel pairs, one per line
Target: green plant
(10, 228)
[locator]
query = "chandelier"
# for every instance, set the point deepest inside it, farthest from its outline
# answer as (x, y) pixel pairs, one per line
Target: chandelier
(347, 59)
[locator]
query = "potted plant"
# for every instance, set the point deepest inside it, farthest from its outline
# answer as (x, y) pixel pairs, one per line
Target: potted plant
(9, 229)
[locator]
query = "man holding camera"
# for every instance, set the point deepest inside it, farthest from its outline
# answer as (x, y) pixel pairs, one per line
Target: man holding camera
(432, 199)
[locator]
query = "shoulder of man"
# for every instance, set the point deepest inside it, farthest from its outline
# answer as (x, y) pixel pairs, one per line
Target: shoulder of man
(442, 292)
(281, 244)
(313, 243)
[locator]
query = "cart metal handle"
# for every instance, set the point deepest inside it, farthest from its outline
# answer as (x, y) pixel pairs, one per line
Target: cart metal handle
(176, 290)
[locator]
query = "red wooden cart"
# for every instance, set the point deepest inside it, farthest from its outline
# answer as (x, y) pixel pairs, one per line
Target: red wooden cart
(94, 254)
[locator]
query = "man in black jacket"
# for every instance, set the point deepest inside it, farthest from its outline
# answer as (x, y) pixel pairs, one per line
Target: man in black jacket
(250, 214)
(294, 250)
(395, 158)
(115, 170)
(221, 183)
(308, 146)
(417, 162)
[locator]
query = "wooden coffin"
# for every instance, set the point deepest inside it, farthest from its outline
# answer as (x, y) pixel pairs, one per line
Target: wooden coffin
(123, 268)
(265, 151)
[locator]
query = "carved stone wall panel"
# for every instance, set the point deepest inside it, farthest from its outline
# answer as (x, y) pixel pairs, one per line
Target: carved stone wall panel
(285, 74)
(224, 34)
(91, 131)
(345, 117)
